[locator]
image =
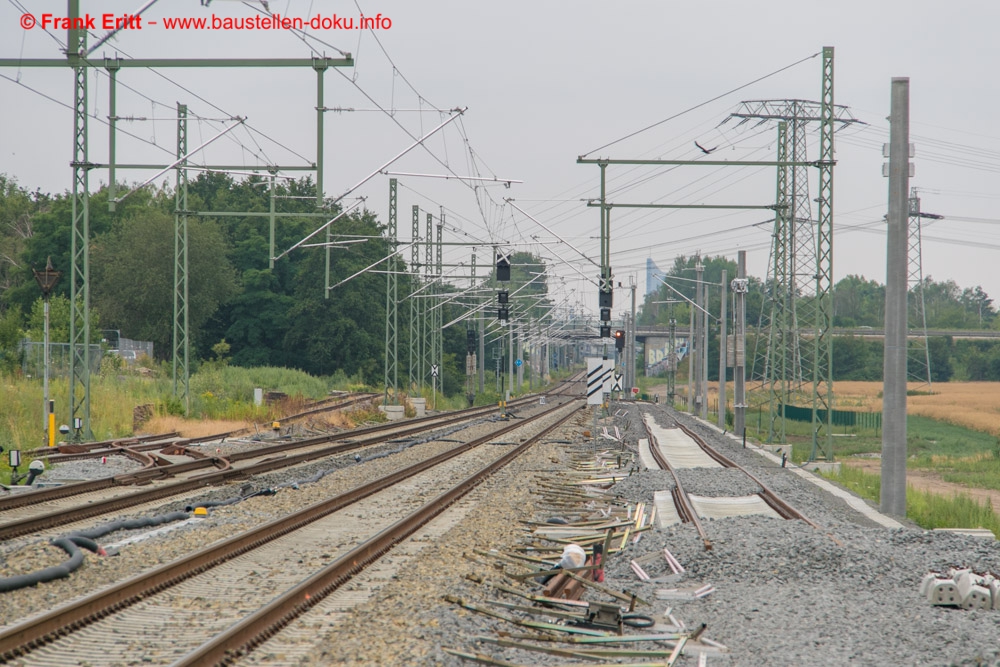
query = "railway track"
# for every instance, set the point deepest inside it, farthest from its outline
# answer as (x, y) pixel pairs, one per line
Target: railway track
(132, 446)
(56, 507)
(703, 455)
(340, 531)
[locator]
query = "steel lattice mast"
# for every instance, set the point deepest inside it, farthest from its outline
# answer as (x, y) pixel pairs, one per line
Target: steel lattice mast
(918, 351)
(79, 321)
(803, 253)
(822, 413)
(391, 292)
(181, 369)
(776, 370)
(414, 369)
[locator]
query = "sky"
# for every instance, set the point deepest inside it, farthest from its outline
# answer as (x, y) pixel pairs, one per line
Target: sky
(541, 84)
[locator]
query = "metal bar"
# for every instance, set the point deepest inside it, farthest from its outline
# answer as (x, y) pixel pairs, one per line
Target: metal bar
(707, 163)
(210, 167)
(180, 158)
(324, 226)
(493, 179)
(76, 61)
(682, 206)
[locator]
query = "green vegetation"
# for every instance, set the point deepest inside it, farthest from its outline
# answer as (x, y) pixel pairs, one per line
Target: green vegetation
(927, 510)
(279, 317)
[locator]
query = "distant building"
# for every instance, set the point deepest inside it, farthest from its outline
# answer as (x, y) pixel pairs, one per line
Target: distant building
(653, 273)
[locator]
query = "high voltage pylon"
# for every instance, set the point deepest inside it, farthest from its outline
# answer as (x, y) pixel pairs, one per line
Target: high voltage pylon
(77, 59)
(918, 352)
(800, 345)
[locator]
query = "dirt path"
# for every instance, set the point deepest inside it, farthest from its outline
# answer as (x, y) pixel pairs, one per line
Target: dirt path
(923, 480)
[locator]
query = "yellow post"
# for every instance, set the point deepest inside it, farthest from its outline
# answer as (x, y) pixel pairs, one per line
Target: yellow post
(52, 423)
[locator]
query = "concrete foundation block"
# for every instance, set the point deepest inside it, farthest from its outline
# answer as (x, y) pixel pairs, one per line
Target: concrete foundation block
(944, 592)
(778, 449)
(392, 412)
(826, 467)
(420, 405)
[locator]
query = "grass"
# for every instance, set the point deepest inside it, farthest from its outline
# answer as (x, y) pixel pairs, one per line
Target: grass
(927, 510)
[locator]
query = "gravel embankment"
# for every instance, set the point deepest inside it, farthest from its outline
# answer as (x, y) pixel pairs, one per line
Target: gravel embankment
(785, 593)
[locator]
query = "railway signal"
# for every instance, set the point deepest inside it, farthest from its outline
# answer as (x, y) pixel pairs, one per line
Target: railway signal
(619, 340)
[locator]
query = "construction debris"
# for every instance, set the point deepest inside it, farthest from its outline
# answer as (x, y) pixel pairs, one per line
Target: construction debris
(961, 588)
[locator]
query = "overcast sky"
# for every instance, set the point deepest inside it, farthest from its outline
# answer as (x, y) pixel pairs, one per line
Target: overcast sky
(545, 82)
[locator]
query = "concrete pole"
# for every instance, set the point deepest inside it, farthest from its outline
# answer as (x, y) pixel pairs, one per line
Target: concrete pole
(630, 374)
(520, 355)
(45, 371)
(510, 359)
(702, 379)
(481, 359)
(893, 499)
(692, 356)
(739, 369)
(722, 352)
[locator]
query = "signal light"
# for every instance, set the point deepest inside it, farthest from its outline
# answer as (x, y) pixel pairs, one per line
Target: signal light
(605, 331)
(470, 341)
(503, 267)
(503, 313)
(619, 340)
(502, 297)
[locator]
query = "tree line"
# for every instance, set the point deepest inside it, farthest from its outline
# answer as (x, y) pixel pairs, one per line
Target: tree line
(273, 317)
(857, 303)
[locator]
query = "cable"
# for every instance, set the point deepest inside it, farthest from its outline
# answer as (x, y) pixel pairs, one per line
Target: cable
(701, 104)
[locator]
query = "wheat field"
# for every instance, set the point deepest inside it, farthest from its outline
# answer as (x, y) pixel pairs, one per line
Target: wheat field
(974, 405)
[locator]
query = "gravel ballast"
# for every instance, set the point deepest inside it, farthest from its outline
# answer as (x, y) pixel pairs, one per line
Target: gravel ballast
(784, 592)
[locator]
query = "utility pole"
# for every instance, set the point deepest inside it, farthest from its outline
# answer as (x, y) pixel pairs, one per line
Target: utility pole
(893, 500)
(705, 326)
(510, 358)
(630, 347)
(722, 353)
(692, 355)
(740, 288)
(671, 357)
(701, 390)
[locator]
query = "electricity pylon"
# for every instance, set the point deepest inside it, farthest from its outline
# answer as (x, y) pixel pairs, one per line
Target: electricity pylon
(918, 354)
(802, 269)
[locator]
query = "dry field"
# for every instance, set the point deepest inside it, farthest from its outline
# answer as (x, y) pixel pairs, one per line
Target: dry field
(974, 405)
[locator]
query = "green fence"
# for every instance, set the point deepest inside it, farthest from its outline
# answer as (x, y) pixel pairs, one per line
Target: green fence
(840, 417)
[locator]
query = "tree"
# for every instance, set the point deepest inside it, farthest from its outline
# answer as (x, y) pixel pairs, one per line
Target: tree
(132, 273)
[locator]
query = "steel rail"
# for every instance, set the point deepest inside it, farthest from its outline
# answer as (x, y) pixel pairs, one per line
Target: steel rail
(680, 496)
(243, 637)
(22, 638)
(147, 475)
(776, 502)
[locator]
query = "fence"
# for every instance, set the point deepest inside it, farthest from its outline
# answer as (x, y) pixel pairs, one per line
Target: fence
(871, 420)
(34, 356)
(33, 363)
